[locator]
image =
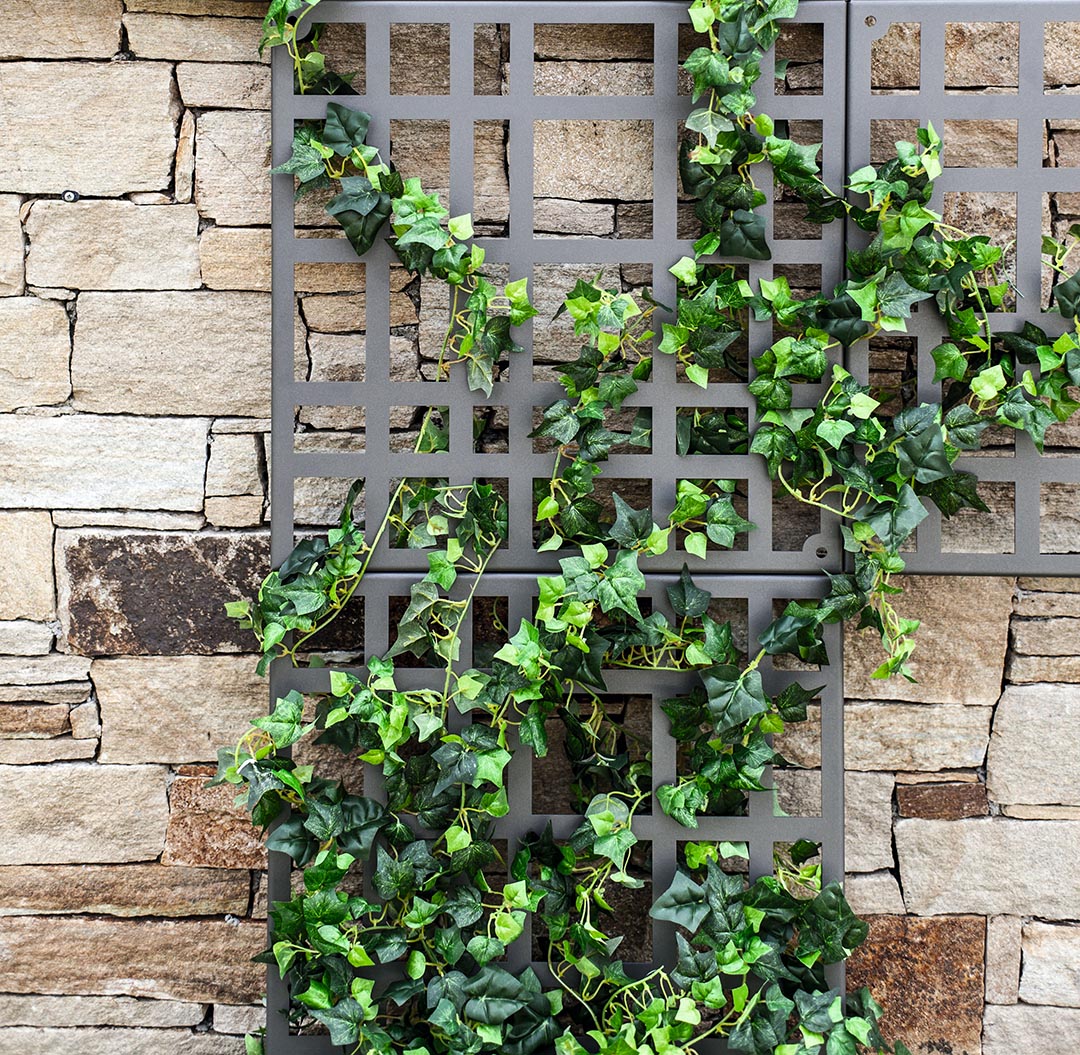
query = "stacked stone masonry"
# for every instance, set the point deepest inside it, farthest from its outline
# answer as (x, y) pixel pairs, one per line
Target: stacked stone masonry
(134, 405)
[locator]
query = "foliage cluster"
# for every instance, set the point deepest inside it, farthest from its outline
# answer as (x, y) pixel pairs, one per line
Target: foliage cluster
(416, 958)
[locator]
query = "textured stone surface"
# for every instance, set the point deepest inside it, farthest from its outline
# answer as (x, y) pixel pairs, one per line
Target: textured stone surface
(992, 865)
(868, 821)
(895, 56)
(44, 670)
(224, 85)
(1046, 637)
(238, 512)
(593, 43)
(905, 736)
(958, 660)
(123, 890)
(558, 216)
(82, 814)
(184, 169)
(112, 245)
(942, 802)
(1051, 972)
(1062, 42)
(234, 465)
(90, 462)
(232, 160)
(29, 722)
(11, 247)
(593, 159)
(59, 1011)
(206, 829)
(1002, 959)
(1025, 764)
(173, 353)
(164, 36)
(928, 975)
(125, 112)
(26, 576)
(159, 594)
(1032, 1030)
(874, 893)
(979, 144)
(982, 54)
(586, 78)
(201, 960)
(115, 1041)
(75, 29)
(35, 752)
(23, 638)
(174, 708)
(238, 1019)
(35, 348)
(236, 258)
(1027, 670)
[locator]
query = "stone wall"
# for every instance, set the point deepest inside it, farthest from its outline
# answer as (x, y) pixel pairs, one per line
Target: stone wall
(133, 473)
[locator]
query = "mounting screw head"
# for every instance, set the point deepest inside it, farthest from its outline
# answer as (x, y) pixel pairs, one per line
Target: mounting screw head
(822, 552)
(70, 196)
(871, 21)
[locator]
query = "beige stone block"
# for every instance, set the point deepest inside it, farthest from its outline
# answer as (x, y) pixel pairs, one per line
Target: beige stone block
(1061, 47)
(224, 85)
(887, 736)
(236, 258)
(982, 54)
(336, 357)
(207, 829)
(85, 721)
(172, 37)
(26, 577)
(236, 512)
(75, 29)
(12, 249)
(123, 518)
(594, 159)
(72, 692)
(238, 1020)
(232, 8)
(874, 893)
(337, 278)
(44, 670)
(203, 961)
(122, 890)
(83, 814)
(35, 350)
(992, 866)
(184, 169)
(1032, 1030)
(558, 216)
(961, 643)
(1025, 765)
(232, 167)
(174, 708)
(173, 353)
(1042, 813)
(1044, 606)
(38, 752)
(590, 78)
(59, 1011)
(895, 56)
(234, 465)
(1026, 670)
(113, 245)
(91, 1041)
(981, 143)
(593, 42)
(1002, 959)
(125, 112)
(1051, 965)
(85, 461)
(21, 721)
(23, 638)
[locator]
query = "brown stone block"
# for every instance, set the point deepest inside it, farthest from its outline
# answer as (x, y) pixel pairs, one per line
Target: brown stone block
(928, 975)
(201, 960)
(123, 890)
(942, 802)
(157, 594)
(205, 828)
(31, 722)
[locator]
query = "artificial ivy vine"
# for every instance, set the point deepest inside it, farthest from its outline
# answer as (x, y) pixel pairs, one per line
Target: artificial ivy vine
(437, 906)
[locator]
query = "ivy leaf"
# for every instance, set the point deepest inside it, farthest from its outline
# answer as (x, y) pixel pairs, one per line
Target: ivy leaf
(894, 521)
(621, 584)
(723, 523)
(949, 362)
(344, 1020)
(345, 128)
(743, 234)
(896, 295)
(708, 123)
(688, 600)
(631, 526)
(683, 903)
(286, 724)
(735, 696)
(1067, 296)
(494, 995)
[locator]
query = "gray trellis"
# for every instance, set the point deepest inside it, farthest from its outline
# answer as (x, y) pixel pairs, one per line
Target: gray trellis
(751, 581)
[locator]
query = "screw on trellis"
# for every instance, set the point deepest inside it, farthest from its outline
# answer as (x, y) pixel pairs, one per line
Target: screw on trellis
(70, 196)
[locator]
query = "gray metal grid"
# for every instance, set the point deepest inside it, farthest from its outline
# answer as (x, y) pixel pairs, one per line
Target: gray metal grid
(1020, 480)
(758, 577)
